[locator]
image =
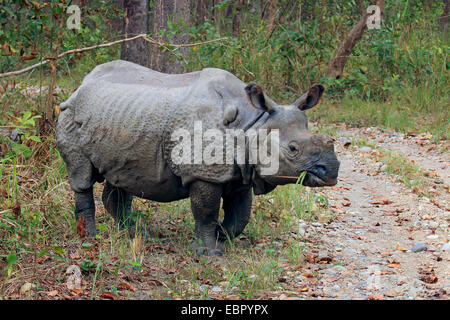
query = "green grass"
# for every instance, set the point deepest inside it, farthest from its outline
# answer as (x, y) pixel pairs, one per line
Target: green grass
(38, 242)
(395, 115)
(407, 172)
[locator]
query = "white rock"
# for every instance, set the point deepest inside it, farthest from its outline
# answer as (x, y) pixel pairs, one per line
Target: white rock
(365, 149)
(27, 286)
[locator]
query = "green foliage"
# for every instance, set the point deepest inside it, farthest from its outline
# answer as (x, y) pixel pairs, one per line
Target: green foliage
(404, 65)
(396, 77)
(32, 31)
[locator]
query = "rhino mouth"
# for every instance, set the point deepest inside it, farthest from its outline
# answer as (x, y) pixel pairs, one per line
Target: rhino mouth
(313, 180)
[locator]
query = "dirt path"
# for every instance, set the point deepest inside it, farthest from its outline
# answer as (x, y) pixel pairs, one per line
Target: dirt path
(365, 252)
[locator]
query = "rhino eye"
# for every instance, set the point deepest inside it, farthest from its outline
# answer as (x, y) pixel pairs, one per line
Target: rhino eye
(293, 148)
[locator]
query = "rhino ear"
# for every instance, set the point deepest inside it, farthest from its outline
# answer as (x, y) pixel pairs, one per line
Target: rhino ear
(310, 98)
(257, 99)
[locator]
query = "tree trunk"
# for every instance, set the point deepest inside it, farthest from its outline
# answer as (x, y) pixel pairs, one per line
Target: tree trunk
(272, 10)
(135, 21)
(177, 11)
(337, 64)
(443, 20)
(361, 6)
(322, 18)
(202, 11)
(117, 21)
(237, 18)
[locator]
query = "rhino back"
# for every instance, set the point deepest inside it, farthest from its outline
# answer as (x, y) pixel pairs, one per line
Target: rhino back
(116, 118)
(122, 115)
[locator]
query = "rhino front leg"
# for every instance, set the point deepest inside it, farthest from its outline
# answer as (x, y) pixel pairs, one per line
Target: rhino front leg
(237, 207)
(205, 205)
(85, 207)
(118, 203)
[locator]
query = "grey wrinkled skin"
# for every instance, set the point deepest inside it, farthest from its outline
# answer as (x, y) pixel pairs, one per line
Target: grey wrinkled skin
(117, 126)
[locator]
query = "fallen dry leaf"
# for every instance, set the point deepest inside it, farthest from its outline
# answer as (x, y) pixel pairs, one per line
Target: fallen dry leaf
(4, 193)
(77, 291)
(154, 282)
(171, 270)
(126, 286)
(52, 293)
(81, 227)
(383, 201)
(394, 294)
(429, 278)
(346, 204)
(108, 296)
(16, 209)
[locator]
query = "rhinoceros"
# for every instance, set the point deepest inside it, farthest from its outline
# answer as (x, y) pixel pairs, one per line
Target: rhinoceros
(118, 125)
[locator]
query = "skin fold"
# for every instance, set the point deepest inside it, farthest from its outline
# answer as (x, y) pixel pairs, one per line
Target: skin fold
(118, 125)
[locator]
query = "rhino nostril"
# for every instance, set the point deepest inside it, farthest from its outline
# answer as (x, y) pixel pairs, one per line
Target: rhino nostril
(320, 170)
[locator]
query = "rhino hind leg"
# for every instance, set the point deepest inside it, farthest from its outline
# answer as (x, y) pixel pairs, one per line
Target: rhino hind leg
(81, 179)
(118, 204)
(205, 205)
(85, 207)
(237, 208)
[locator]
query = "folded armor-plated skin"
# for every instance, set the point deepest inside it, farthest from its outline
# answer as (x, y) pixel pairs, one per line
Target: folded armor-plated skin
(119, 125)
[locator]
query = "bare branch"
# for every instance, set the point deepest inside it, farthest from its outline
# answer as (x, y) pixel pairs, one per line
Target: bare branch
(104, 45)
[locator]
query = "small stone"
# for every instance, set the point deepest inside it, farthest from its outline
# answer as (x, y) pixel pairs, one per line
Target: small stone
(345, 141)
(338, 249)
(419, 246)
(365, 149)
(433, 225)
(216, 289)
(446, 246)
(316, 224)
(26, 287)
(378, 164)
(433, 236)
(277, 244)
(15, 135)
(301, 231)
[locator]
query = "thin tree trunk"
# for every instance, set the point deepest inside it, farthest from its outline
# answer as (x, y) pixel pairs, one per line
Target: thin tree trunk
(202, 11)
(361, 6)
(272, 10)
(237, 18)
(443, 20)
(49, 114)
(322, 17)
(337, 64)
(177, 11)
(135, 21)
(117, 22)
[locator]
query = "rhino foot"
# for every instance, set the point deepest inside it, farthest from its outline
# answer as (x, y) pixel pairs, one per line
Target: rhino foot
(203, 250)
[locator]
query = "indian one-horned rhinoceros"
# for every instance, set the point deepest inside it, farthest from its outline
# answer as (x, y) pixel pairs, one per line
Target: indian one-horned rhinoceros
(119, 124)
